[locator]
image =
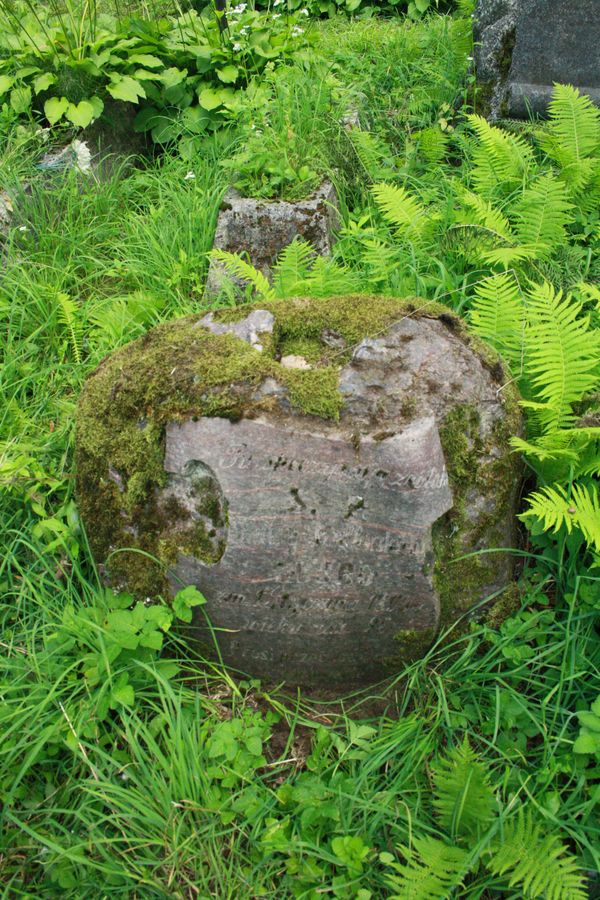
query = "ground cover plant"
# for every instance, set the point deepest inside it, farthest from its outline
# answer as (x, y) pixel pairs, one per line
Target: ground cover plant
(127, 769)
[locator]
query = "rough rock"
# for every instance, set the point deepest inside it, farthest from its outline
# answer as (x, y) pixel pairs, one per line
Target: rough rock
(326, 512)
(523, 47)
(260, 229)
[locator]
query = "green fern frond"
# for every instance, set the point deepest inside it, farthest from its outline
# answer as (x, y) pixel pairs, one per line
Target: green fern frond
(432, 870)
(68, 315)
(557, 507)
(292, 267)
(327, 279)
(433, 143)
(562, 354)
(405, 212)
(373, 154)
(498, 315)
(578, 447)
(542, 213)
(500, 159)
(510, 256)
(463, 800)
(484, 213)
(237, 267)
(573, 134)
(537, 863)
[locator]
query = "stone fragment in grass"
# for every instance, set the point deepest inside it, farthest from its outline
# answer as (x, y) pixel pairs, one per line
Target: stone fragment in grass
(260, 229)
(335, 517)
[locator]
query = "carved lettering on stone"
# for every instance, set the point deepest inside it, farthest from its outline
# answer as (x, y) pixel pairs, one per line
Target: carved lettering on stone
(328, 548)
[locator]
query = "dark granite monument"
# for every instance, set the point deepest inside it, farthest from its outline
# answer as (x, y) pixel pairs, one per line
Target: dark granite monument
(523, 47)
(318, 468)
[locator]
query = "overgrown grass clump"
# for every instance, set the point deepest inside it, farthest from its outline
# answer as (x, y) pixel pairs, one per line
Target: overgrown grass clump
(128, 769)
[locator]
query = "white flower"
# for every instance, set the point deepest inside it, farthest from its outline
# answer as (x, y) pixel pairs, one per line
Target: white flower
(276, 16)
(304, 12)
(239, 9)
(83, 156)
(296, 31)
(190, 176)
(23, 228)
(277, 2)
(245, 29)
(237, 47)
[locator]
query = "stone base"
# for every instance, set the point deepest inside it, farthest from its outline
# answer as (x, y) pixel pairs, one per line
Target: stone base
(260, 229)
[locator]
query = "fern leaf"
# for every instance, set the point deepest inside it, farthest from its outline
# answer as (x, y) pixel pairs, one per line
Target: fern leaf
(485, 214)
(562, 354)
(542, 213)
(500, 159)
(464, 800)
(556, 508)
(68, 314)
(237, 267)
(498, 315)
(537, 863)
(433, 144)
(573, 134)
(327, 278)
(509, 256)
(432, 870)
(373, 154)
(398, 207)
(292, 267)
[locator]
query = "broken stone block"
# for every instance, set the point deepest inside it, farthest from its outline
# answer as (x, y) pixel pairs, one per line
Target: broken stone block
(524, 47)
(334, 515)
(260, 229)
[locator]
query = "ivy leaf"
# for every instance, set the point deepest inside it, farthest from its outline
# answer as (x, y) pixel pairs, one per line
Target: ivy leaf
(54, 109)
(6, 82)
(20, 99)
(81, 114)
(126, 88)
(43, 82)
(184, 600)
(228, 74)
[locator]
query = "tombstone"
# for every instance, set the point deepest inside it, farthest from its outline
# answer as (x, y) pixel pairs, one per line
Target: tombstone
(260, 229)
(523, 47)
(319, 469)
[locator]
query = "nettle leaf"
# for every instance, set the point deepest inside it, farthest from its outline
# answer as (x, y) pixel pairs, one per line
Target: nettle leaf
(20, 99)
(126, 88)
(6, 82)
(184, 600)
(228, 74)
(55, 108)
(43, 82)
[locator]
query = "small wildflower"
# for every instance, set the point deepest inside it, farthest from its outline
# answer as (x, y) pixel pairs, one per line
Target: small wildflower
(237, 47)
(83, 156)
(297, 31)
(277, 2)
(239, 9)
(276, 16)
(189, 176)
(245, 29)
(304, 12)
(23, 228)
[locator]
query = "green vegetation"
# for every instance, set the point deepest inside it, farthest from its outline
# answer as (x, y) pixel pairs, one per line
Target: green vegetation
(129, 769)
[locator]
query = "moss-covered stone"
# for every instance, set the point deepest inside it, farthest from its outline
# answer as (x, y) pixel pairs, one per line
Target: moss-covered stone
(180, 371)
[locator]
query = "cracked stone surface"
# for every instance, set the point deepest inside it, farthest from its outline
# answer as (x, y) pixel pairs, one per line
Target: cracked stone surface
(260, 229)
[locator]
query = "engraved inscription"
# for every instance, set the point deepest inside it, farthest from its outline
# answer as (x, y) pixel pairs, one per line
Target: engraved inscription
(328, 551)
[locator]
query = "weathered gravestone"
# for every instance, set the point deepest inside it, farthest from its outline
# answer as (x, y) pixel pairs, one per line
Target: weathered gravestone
(261, 229)
(523, 47)
(321, 509)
